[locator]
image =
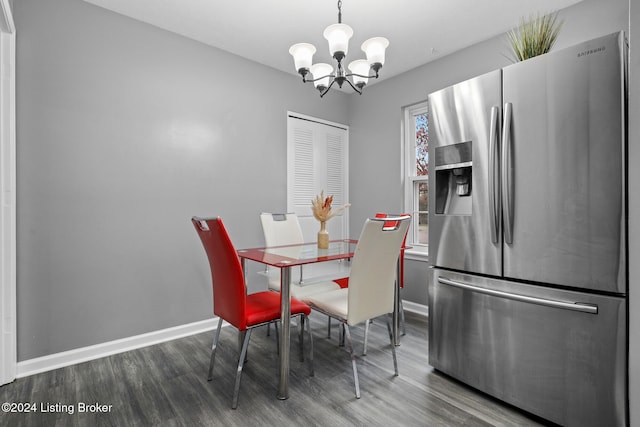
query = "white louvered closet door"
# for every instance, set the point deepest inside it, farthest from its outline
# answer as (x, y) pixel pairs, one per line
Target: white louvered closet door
(317, 160)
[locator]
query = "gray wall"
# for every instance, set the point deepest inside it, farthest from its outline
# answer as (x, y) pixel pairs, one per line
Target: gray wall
(375, 124)
(124, 131)
(416, 277)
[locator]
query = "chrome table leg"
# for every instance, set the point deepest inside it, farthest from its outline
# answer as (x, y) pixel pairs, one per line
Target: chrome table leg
(285, 327)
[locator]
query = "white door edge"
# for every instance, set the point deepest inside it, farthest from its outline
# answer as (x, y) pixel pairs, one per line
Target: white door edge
(8, 338)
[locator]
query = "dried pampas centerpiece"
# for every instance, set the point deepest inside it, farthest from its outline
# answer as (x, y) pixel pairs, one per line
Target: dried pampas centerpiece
(323, 212)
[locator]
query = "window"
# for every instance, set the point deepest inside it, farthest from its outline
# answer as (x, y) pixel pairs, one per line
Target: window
(416, 177)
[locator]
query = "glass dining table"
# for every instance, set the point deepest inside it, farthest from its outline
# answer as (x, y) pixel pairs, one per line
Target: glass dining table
(285, 257)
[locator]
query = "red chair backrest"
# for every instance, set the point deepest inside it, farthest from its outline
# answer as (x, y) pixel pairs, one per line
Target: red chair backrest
(395, 224)
(227, 278)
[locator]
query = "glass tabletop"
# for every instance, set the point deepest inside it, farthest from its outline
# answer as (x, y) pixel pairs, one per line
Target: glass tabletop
(306, 253)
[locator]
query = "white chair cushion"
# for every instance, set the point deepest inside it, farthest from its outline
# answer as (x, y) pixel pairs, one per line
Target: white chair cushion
(300, 292)
(334, 303)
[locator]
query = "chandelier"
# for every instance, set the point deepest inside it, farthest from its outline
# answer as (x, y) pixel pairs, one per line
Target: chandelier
(323, 75)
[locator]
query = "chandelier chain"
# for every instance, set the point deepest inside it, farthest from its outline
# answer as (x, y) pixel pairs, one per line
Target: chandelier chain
(339, 11)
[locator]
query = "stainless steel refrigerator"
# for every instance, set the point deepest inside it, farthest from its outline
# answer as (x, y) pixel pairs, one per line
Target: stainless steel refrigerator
(527, 218)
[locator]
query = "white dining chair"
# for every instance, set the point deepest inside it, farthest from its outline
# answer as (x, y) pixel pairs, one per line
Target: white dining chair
(284, 229)
(344, 282)
(370, 293)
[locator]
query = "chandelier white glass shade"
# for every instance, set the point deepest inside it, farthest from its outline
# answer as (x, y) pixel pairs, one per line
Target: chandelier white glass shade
(374, 48)
(338, 36)
(324, 75)
(322, 69)
(302, 54)
(359, 68)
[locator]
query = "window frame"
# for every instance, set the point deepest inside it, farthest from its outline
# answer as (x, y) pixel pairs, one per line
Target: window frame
(418, 251)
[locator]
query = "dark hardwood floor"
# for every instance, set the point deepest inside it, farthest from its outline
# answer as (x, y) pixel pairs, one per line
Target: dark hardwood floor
(166, 384)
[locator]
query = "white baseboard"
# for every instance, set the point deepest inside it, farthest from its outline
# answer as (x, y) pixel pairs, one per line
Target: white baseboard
(415, 308)
(84, 354)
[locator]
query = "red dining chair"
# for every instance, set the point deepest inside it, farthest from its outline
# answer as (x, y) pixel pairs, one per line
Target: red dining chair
(371, 283)
(230, 300)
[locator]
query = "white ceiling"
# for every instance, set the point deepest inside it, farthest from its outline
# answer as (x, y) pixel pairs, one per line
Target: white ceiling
(419, 31)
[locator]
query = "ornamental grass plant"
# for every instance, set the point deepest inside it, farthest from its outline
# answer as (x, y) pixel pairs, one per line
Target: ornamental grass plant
(534, 36)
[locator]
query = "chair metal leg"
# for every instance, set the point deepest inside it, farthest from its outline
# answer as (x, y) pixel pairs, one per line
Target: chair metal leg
(353, 359)
(301, 320)
(366, 336)
(328, 327)
(310, 348)
(275, 325)
(393, 346)
(402, 322)
(236, 389)
(341, 335)
(213, 349)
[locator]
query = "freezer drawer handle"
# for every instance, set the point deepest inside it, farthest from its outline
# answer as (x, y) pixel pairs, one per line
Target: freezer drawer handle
(576, 306)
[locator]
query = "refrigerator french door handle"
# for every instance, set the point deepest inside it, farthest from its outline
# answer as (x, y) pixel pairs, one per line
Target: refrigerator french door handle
(494, 192)
(575, 306)
(507, 185)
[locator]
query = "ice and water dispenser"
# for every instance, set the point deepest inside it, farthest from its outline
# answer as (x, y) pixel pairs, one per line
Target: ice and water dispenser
(454, 179)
